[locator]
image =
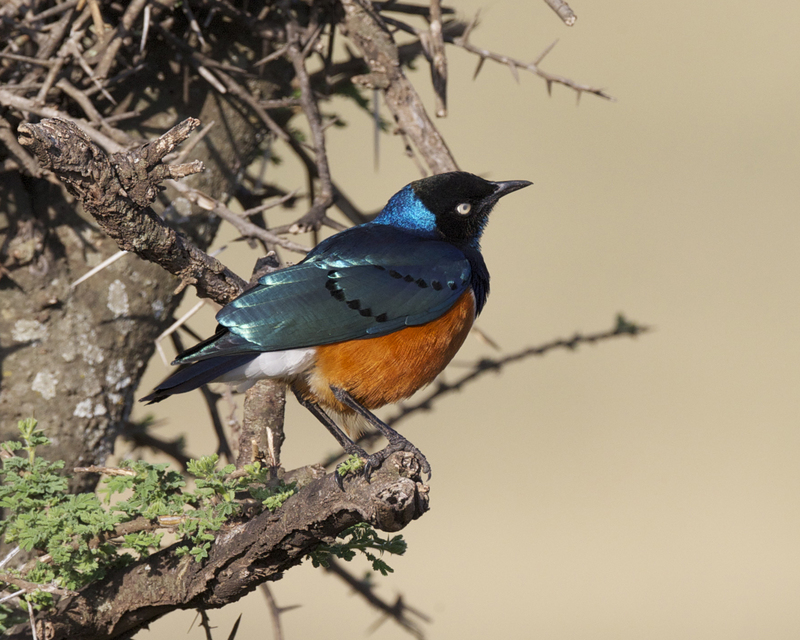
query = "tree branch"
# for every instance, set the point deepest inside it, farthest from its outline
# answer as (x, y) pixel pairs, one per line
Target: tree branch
(368, 31)
(244, 555)
(117, 190)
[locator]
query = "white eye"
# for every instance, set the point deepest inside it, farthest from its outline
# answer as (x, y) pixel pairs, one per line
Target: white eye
(464, 208)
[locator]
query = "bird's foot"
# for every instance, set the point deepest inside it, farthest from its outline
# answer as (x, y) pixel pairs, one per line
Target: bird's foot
(376, 459)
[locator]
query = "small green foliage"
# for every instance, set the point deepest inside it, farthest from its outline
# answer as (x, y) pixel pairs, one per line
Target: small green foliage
(215, 504)
(157, 491)
(350, 465)
(143, 541)
(76, 530)
(10, 616)
(360, 537)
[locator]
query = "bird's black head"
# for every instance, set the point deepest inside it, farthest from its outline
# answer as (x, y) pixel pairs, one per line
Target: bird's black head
(454, 206)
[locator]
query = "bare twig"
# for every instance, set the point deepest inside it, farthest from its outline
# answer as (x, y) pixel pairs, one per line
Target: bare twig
(223, 446)
(438, 58)
(235, 628)
(241, 224)
(32, 617)
(122, 31)
(9, 556)
(276, 202)
(324, 198)
(105, 263)
(275, 612)
(12, 595)
(481, 367)
(33, 586)
(410, 9)
(192, 143)
(109, 471)
(205, 623)
(174, 327)
(8, 99)
(514, 64)
(563, 10)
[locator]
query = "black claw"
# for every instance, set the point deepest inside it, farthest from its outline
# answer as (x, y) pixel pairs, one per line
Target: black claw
(339, 478)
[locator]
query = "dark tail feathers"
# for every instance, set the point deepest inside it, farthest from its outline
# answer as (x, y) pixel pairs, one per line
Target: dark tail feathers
(197, 374)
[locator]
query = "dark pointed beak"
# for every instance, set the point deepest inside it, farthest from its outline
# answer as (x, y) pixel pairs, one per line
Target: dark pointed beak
(504, 188)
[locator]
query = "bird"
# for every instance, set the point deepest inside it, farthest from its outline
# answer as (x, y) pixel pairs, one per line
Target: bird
(371, 314)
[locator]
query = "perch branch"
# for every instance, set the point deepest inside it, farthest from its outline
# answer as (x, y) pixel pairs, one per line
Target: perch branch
(244, 555)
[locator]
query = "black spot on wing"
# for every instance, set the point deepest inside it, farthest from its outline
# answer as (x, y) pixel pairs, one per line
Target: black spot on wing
(336, 278)
(333, 287)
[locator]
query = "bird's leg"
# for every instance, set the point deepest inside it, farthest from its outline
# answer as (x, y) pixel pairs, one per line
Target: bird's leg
(396, 441)
(350, 447)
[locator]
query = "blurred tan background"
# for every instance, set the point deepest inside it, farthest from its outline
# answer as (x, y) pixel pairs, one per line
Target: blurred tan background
(643, 488)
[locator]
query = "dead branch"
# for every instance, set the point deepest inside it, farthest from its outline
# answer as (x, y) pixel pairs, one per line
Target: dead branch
(118, 189)
(514, 64)
(563, 10)
(438, 59)
(485, 365)
(369, 33)
(324, 199)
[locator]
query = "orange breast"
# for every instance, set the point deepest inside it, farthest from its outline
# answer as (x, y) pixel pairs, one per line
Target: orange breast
(379, 371)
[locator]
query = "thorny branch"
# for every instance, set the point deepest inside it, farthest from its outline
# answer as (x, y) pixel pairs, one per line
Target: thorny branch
(437, 57)
(513, 64)
(324, 198)
(369, 33)
(563, 10)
